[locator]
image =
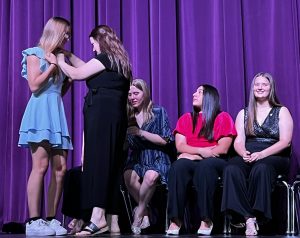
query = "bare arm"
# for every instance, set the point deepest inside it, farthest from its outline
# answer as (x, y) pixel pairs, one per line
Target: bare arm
(183, 147)
(223, 146)
(75, 61)
(285, 136)
(240, 140)
(36, 78)
(154, 138)
(83, 72)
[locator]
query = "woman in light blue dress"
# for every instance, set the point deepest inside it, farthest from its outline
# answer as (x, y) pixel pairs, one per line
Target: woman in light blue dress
(44, 127)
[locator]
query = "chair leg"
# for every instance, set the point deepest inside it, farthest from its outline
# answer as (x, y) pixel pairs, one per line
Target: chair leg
(127, 203)
(167, 220)
(63, 220)
(293, 207)
(226, 226)
(289, 206)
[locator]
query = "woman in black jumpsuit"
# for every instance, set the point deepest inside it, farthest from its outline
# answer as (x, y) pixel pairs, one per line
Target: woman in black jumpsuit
(264, 130)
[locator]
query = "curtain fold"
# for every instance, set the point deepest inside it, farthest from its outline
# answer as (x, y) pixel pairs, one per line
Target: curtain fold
(175, 45)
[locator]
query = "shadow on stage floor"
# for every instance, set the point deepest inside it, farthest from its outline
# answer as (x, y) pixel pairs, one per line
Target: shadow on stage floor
(5, 235)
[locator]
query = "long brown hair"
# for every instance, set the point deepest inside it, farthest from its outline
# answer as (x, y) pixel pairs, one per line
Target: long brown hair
(111, 45)
(147, 105)
(210, 109)
(252, 107)
(54, 34)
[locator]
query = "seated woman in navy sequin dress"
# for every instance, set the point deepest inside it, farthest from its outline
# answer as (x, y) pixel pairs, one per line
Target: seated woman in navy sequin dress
(148, 134)
(263, 144)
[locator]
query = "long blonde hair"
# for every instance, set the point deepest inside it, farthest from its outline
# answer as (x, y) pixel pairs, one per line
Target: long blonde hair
(54, 34)
(252, 107)
(147, 105)
(111, 45)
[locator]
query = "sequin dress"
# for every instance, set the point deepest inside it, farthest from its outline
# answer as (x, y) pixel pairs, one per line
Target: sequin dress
(247, 187)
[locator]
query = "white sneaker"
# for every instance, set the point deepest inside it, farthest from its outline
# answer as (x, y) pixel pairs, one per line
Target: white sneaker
(39, 228)
(55, 225)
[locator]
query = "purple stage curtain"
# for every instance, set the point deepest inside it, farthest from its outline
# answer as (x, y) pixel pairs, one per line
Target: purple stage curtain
(174, 45)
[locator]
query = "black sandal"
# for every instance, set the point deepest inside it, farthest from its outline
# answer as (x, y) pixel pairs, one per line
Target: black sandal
(93, 230)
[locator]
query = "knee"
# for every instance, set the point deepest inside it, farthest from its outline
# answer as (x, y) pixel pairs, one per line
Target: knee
(231, 170)
(210, 168)
(179, 166)
(41, 168)
(205, 169)
(150, 178)
(260, 170)
(130, 178)
(60, 172)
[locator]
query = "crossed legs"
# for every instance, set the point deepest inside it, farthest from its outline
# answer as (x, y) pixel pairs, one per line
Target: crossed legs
(141, 192)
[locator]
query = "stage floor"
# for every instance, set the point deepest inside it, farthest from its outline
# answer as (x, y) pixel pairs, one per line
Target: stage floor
(4, 235)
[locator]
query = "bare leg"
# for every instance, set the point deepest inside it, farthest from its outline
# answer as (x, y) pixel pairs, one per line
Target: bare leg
(72, 223)
(59, 167)
(98, 218)
(132, 181)
(145, 194)
(40, 162)
(112, 221)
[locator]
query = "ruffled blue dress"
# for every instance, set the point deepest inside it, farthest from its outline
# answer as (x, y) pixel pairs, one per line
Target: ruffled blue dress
(44, 117)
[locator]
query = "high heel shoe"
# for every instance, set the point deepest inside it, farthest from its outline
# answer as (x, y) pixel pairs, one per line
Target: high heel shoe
(145, 223)
(173, 231)
(251, 227)
(72, 223)
(205, 232)
(136, 226)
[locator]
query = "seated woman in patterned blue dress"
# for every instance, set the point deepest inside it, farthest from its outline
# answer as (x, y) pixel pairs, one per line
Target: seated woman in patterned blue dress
(148, 134)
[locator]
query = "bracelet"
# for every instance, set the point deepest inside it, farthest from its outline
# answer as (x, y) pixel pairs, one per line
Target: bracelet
(54, 64)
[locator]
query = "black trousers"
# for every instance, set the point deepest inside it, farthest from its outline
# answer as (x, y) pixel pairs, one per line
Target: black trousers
(71, 205)
(247, 187)
(203, 175)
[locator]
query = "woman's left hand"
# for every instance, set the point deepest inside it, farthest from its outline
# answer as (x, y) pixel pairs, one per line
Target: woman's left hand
(255, 156)
(134, 130)
(60, 57)
(51, 58)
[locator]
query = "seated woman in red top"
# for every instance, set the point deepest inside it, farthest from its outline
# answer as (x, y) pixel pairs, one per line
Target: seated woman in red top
(202, 138)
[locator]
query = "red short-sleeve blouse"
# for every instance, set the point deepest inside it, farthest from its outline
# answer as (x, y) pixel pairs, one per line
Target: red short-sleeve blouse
(223, 127)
